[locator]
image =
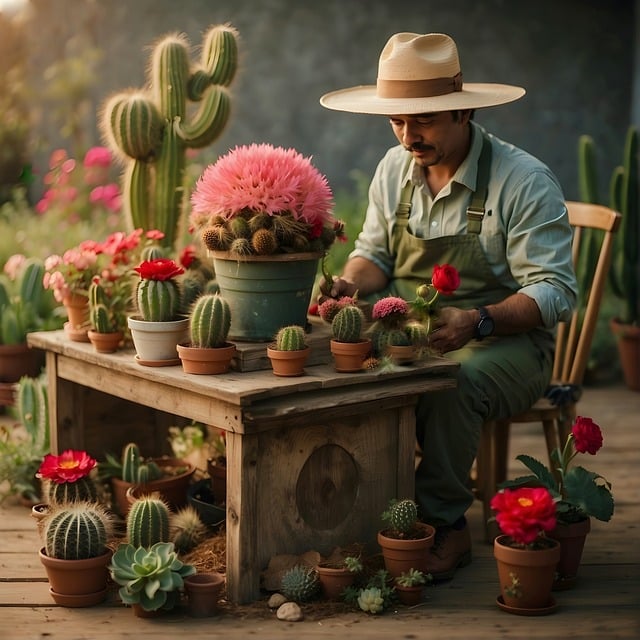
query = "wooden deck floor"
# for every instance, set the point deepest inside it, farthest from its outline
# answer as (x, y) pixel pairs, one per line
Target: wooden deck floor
(605, 604)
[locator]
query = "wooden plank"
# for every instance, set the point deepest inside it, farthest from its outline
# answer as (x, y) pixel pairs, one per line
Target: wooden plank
(21, 566)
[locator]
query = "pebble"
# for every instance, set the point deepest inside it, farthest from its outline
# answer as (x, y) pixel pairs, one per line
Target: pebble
(276, 600)
(290, 612)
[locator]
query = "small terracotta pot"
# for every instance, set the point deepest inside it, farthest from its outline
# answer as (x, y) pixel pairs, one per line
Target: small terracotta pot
(334, 580)
(105, 342)
(203, 361)
(401, 555)
(401, 354)
(526, 575)
(288, 363)
(77, 307)
(349, 356)
(571, 538)
(203, 591)
(409, 596)
(218, 475)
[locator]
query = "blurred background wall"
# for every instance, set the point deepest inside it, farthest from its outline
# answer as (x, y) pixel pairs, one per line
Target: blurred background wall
(576, 58)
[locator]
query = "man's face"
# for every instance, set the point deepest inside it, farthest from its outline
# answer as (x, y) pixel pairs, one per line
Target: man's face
(432, 138)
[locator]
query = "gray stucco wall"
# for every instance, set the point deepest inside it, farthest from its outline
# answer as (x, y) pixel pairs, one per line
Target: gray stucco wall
(575, 58)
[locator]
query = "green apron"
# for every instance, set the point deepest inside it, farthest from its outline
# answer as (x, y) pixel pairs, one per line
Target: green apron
(498, 377)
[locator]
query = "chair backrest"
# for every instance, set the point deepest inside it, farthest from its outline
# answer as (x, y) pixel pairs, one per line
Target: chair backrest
(573, 341)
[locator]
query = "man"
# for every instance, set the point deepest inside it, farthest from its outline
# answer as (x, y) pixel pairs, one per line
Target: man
(450, 193)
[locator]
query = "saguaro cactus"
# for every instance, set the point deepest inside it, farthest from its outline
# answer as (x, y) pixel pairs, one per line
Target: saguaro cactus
(152, 129)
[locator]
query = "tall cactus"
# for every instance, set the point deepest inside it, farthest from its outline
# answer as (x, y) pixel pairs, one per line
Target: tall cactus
(152, 129)
(148, 522)
(134, 469)
(76, 531)
(210, 321)
(33, 411)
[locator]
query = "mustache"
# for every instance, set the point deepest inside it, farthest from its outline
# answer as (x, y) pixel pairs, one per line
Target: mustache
(419, 146)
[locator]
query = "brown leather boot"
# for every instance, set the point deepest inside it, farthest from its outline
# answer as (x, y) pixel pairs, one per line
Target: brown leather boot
(451, 550)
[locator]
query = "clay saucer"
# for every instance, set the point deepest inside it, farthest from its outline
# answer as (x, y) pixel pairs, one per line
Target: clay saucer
(157, 363)
(540, 611)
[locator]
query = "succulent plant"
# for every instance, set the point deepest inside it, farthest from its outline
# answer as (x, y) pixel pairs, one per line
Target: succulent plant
(186, 529)
(152, 129)
(76, 531)
(300, 583)
(412, 578)
(210, 321)
(291, 338)
(371, 600)
(347, 324)
(148, 521)
(151, 577)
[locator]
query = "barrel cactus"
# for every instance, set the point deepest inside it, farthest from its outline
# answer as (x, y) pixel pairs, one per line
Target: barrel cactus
(291, 338)
(210, 321)
(76, 531)
(158, 300)
(401, 516)
(148, 522)
(186, 529)
(82, 490)
(347, 324)
(152, 129)
(300, 583)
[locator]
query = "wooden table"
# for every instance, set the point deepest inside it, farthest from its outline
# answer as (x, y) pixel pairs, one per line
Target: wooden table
(311, 461)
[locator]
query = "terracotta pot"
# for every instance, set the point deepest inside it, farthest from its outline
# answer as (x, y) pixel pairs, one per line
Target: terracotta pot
(155, 342)
(206, 361)
(8, 392)
(349, 356)
(628, 340)
(140, 612)
(105, 342)
(400, 555)
(75, 335)
(288, 363)
(401, 354)
(526, 575)
(334, 580)
(409, 596)
(77, 583)
(203, 591)
(571, 538)
(172, 488)
(19, 360)
(39, 511)
(218, 475)
(77, 308)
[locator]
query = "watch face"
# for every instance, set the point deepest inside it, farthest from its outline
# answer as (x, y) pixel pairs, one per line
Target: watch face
(485, 328)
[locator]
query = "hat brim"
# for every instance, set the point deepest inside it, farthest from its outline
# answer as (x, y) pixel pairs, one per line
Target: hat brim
(364, 99)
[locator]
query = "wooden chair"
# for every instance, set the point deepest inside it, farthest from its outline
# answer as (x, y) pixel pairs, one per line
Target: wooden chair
(573, 343)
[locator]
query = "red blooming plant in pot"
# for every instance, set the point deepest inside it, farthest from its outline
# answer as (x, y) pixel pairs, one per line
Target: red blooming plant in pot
(580, 494)
(526, 558)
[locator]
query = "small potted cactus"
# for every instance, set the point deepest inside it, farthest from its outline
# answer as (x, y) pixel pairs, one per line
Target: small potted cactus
(405, 541)
(159, 327)
(108, 305)
(289, 352)
(208, 352)
(337, 574)
(348, 347)
(75, 555)
(409, 586)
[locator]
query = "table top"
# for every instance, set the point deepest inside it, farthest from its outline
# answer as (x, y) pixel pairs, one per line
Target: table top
(245, 388)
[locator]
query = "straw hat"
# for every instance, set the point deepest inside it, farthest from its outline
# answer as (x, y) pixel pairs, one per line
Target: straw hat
(419, 74)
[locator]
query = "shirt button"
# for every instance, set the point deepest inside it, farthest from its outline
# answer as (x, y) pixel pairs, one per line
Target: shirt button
(434, 223)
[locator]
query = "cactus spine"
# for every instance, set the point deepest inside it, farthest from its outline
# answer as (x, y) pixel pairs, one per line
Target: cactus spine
(210, 321)
(153, 129)
(158, 300)
(346, 325)
(291, 338)
(148, 522)
(82, 490)
(402, 515)
(76, 531)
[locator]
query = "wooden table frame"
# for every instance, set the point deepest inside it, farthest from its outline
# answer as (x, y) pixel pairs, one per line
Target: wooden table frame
(286, 438)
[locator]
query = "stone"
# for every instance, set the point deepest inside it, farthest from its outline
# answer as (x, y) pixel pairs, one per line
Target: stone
(290, 612)
(276, 600)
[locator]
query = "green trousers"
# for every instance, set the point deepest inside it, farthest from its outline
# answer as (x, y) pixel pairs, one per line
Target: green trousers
(498, 377)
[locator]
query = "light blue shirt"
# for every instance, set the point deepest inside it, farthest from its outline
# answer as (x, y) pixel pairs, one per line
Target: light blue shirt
(525, 236)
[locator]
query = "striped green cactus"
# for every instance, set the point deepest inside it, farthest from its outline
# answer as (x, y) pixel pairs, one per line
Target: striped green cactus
(418, 333)
(291, 338)
(131, 461)
(152, 129)
(33, 411)
(402, 515)
(76, 531)
(100, 318)
(158, 300)
(347, 324)
(82, 490)
(148, 522)
(210, 321)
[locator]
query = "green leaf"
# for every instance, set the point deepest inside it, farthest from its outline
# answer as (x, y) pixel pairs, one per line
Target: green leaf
(582, 489)
(546, 478)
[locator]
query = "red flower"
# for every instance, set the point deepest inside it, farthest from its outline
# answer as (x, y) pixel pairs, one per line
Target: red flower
(187, 256)
(587, 437)
(159, 269)
(445, 279)
(524, 513)
(70, 466)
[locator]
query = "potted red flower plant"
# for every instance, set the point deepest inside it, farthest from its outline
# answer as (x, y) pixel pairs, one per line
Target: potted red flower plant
(525, 556)
(579, 494)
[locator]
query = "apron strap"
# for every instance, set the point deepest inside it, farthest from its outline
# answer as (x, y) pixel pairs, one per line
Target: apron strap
(475, 211)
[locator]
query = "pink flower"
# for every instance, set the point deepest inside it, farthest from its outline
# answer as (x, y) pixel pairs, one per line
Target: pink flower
(13, 265)
(524, 513)
(263, 178)
(587, 436)
(388, 307)
(97, 157)
(70, 466)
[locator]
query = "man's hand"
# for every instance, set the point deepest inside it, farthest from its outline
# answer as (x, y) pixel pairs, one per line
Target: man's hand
(453, 328)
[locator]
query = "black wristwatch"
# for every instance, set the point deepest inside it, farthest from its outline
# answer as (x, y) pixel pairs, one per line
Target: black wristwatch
(485, 325)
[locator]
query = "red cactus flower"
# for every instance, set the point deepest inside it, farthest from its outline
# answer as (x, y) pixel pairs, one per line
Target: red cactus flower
(69, 466)
(159, 269)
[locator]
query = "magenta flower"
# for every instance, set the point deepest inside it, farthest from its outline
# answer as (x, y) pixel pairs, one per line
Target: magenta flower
(389, 307)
